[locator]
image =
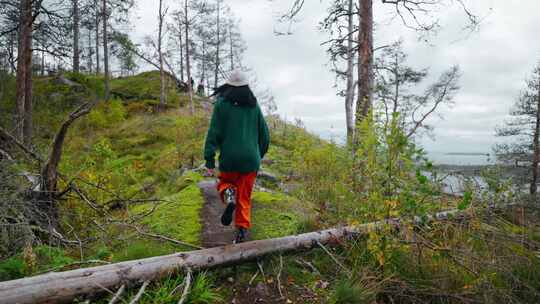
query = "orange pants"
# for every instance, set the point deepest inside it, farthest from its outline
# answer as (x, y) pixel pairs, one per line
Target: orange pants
(242, 183)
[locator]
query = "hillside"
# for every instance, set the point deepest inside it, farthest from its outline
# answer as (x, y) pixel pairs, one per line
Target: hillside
(139, 169)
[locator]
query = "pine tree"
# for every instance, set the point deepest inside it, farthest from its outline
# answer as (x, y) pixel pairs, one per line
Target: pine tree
(524, 128)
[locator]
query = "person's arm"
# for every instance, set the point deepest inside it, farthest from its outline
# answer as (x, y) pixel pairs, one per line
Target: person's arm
(212, 139)
(264, 135)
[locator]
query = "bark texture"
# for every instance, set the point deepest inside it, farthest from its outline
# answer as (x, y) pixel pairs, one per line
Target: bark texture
(98, 66)
(24, 73)
(365, 62)
(76, 34)
(349, 93)
(49, 173)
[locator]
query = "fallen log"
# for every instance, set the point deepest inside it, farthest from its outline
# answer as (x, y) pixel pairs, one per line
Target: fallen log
(65, 286)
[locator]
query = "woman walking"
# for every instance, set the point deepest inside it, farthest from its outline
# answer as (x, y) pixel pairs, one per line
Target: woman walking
(238, 130)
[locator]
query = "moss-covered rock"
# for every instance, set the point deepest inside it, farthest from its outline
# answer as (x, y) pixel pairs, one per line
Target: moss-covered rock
(143, 86)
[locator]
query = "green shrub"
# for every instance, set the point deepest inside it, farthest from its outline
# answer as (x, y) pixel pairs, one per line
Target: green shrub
(51, 257)
(37, 259)
(12, 268)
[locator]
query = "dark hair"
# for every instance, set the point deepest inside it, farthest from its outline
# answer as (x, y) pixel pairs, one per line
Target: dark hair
(241, 96)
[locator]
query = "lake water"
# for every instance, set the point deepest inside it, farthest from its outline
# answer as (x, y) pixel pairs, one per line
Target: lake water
(461, 159)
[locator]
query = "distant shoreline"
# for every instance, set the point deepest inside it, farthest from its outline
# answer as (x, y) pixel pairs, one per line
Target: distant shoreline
(467, 154)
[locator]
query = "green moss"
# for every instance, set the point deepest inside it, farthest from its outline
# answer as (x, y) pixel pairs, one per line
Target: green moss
(140, 249)
(93, 83)
(275, 215)
(178, 217)
(270, 198)
(143, 86)
(187, 179)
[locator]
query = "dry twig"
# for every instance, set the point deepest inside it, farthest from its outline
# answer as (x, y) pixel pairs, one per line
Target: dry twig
(140, 293)
(186, 287)
(279, 275)
(117, 295)
(349, 274)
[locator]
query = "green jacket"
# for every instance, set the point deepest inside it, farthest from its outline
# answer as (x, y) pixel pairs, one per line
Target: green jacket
(240, 134)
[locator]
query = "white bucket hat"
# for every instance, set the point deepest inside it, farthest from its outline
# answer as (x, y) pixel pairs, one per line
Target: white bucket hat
(237, 79)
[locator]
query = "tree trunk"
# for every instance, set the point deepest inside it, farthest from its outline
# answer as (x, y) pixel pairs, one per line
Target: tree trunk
(203, 64)
(98, 67)
(365, 61)
(49, 172)
(65, 286)
(28, 88)
(43, 63)
(536, 145)
(349, 94)
(231, 47)
(181, 50)
(218, 44)
(90, 60)
(160, 51)
(188, 63)
(76, 33)
(105, 16)
(11, 50)
(24, 74)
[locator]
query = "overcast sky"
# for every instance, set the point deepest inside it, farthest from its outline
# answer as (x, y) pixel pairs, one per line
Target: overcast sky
(494, 61)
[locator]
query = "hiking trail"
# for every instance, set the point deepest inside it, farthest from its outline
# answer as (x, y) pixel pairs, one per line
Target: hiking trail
(213, 233)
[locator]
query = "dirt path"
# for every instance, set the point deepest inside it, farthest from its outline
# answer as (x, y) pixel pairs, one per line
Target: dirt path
(213, 233)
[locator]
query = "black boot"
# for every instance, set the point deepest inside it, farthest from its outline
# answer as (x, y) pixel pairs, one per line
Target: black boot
(241, 236)
(229, 196)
